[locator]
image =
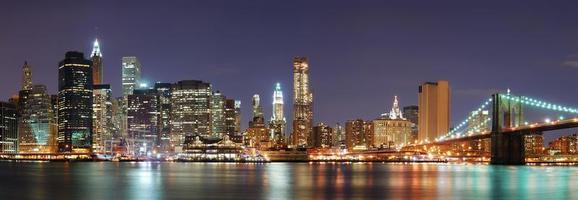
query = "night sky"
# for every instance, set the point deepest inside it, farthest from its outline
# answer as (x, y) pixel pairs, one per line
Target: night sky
(361, 53)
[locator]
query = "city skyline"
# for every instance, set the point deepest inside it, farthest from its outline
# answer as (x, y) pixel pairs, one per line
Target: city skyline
(332, 96)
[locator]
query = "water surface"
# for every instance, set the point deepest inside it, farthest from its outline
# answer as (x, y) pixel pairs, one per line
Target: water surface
(106, 180)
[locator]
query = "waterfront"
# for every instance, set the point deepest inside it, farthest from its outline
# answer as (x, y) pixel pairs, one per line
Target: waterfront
(105, 180)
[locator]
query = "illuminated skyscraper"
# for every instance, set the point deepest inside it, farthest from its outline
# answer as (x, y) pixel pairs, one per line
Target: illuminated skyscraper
(8, 128)
(258, 117)
(257, 135)
(26, 77)
(322, 136)
(164, 94)
(142, 120)
(434, 110)
(231, 115)
(218, 115)
(35, 120)
(277, 123)
(302, 103)
(339, 134)
(103, 127)
(191, 110)
(96, 57)
(131, 75)
(358, 134)
(75, 104)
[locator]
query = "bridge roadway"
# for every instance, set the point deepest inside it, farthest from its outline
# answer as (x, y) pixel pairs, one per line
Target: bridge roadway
(526, 129)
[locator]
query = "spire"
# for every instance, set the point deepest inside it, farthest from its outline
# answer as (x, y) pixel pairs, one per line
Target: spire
(277, 104)
(96, 49)
(26, 77)
(395, 112)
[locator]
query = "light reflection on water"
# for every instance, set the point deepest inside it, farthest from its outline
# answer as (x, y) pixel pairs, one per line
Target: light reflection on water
(283, 181)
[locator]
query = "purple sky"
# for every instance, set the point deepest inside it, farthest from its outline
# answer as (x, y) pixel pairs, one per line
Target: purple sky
(361, 53)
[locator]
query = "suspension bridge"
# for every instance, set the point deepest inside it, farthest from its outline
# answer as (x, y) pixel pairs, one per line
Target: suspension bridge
(501, 119)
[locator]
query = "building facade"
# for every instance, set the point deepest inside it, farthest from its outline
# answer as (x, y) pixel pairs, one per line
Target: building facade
(164, 94)
(75, 104)
(302, 103)
(35, 120)
(8, 128)
(191, 110)
(322, 136)
(434, 110)
(278, 121)
(392, 130)
(96, 57)
(142, 121)
(103, 127)
(131, 75)
(358, 134)
(411, 113)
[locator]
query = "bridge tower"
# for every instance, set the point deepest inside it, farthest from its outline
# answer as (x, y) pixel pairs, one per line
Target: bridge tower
(507, 149)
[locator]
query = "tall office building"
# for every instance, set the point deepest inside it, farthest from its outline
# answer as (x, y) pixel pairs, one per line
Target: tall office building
(103, 127)
(164, 94)
(8, 128)
(257, 135)
(75, 104)
(131, 75)
(142, 119)
(218, 114)
(411, 113)
(96, 57)
(232, 113)
(434, 110)
(35, 120)
(191, 110)
(258, 117)
(358, 134)
(238, 116)
(26, 77)
(302, 103)
(277, 123)
(322, 136)
(339, 133)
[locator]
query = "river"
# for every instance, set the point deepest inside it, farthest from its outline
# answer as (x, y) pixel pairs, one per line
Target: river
(110, 180)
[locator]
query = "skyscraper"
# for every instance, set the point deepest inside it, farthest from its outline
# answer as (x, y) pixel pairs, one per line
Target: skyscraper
(131, 75)
(75, 103)
(258, 117)
(26, 77)
(411, 113)
(164, 94)
(8, 128)
(302, 103)
(358, 134)
(191, 110)
(218, 114)
(103, 127)
(322, 136)
(142, 119)
(96, 57)
(35, 120)
(277, 124)
(231, 115)
(434, 110)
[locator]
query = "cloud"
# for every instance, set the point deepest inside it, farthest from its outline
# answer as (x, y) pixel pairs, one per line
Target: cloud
(571, 61)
